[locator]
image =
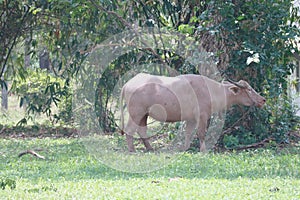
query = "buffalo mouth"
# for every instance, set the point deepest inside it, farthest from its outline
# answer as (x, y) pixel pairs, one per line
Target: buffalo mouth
(261, 104)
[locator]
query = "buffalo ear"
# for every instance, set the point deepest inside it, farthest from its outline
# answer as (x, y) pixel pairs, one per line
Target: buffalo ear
(234, 89)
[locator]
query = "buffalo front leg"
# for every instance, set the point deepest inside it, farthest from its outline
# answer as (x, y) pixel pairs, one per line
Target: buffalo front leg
(190, 127)
(129, 139)
(143, 133)
(202, 127)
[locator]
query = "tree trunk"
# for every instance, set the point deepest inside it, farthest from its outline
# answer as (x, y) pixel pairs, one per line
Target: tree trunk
(4, 94)
(26, 51)
(44, 59)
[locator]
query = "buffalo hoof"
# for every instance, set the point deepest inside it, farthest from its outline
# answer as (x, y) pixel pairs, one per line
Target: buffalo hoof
(149, 150)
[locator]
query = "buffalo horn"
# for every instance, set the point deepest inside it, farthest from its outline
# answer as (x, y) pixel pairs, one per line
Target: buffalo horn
(235, 83)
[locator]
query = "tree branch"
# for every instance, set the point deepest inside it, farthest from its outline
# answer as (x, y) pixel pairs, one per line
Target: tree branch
(32, 153)
(129, 26)
(235, 123)
(14, 42)
(297, 56)
(100, 7)
(295, 134)
(254, 145)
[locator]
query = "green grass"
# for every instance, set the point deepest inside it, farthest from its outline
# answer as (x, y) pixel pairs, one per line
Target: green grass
(70, 172)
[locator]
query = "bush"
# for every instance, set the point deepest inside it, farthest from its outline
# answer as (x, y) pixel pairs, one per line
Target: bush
(39, 91)
(256, 37)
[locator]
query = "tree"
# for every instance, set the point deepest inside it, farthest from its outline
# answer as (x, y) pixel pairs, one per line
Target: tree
(16, 20)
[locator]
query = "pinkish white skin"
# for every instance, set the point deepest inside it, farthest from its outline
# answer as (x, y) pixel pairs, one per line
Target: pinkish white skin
(190, 98)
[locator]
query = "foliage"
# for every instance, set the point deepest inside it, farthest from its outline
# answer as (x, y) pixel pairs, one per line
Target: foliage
(40, 91)
(252, 39)
(257, 37)
(16, 20)
(70, 172)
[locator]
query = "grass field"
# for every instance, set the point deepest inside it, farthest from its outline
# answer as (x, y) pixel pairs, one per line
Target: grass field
(70, 172)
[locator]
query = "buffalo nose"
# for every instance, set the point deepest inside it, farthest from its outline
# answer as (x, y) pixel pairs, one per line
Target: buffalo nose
(262, 102)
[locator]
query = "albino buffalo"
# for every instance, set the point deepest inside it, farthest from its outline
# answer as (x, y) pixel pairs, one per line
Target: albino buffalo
(190, 98)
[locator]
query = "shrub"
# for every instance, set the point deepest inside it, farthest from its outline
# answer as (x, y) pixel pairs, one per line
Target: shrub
(40, 91)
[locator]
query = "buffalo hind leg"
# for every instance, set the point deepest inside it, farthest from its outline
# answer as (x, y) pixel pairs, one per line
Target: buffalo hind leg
(129, 131)
(142, 131)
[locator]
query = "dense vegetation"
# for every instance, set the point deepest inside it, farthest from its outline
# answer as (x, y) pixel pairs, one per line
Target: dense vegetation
(251, 40)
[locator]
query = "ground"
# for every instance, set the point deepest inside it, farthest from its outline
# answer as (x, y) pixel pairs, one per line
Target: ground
(69, 171)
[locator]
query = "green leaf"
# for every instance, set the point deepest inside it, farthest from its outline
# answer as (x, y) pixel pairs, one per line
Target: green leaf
(35, 11)
(241, 17)
(185, 28)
